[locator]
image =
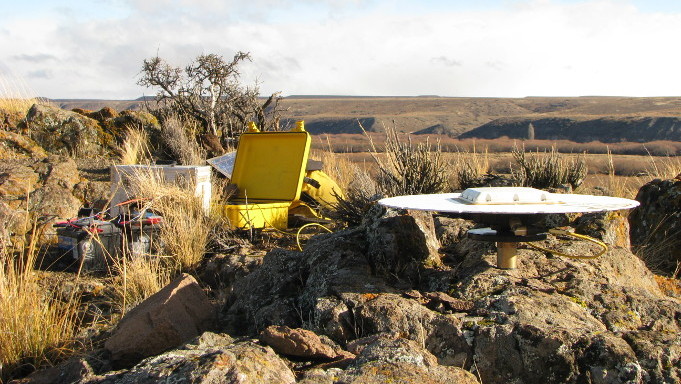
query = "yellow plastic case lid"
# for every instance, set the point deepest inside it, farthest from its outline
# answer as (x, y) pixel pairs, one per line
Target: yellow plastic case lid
(271, 165)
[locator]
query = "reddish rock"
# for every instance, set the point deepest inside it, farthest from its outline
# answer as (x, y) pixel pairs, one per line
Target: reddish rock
(175, 314)
(296, 342)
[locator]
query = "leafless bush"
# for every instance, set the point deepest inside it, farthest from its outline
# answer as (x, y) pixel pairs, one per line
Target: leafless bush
(548, 169)
(208, 90)
(180, 137)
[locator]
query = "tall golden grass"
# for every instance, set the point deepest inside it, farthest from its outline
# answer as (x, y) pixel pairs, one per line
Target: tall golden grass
(135, 147)
(182, 239)
(16, 97)
(469, 167)
(36, 328)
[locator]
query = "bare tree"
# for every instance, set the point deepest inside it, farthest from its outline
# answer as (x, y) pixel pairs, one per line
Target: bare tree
(209, 90)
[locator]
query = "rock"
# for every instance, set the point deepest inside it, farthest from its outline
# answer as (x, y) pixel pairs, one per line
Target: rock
(401, 361)
(13, 144)
(534, 323)
(19, 181)
(171, 316)
(611, 227)
(442, 299)
(118, 126)
(44, 187)
(656, 225)
(451, 230)
(401, 244)
(103, 114)
(16, 224)
(64, 132)
(72, 371)
(217, 361)
(528, 334)
(59, 175)
(296, 342)
(222, 270)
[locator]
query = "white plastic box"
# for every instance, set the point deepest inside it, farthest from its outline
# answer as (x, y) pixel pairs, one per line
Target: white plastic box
(198, 177)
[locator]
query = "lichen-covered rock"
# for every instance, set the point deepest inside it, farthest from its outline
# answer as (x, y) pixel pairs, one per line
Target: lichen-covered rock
(553, 319)
(402, 243)
(612, 227)
(527, 335)
(14, 144)
(401, 361)
(211, 359)
(656, 225)
(64, 132)
(39, 190)
(103, 114)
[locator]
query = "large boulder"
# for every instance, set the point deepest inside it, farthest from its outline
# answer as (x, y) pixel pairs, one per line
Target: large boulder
(656, 225)
(553, 319)
(64, 132)
(175, 314)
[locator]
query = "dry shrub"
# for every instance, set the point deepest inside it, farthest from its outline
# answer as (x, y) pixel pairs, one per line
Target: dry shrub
(548, 169)
(361, 194)
(135, 147)
(36, 329)
(180, 137)
(407, 168)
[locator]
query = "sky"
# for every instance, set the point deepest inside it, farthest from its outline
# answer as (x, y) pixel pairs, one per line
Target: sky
(485, 48)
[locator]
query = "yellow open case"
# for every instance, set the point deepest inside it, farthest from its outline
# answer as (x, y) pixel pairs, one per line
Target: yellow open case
(268, 171)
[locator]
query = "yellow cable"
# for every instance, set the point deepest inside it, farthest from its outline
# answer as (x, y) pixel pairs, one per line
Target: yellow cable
(303, 227)
(604, 246)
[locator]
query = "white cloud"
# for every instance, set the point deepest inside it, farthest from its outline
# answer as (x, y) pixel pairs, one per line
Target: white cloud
(358, 48)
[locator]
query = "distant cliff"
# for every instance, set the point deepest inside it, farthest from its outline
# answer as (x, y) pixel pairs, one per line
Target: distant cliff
(607, 130)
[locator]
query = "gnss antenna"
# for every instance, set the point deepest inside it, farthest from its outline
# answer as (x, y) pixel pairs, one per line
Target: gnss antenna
(511, 215)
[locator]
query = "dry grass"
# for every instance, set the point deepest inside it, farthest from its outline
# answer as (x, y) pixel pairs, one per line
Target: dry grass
(135, 148)
(182, 239)
(186, 225)
(36, 329)
(469, 167)
(16, 98)
(666, 167)
(139, 278)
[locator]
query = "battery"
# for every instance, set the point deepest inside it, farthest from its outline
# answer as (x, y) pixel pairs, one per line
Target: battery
(94, 244)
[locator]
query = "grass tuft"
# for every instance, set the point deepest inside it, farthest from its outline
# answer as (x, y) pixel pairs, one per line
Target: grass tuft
(36, 328)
